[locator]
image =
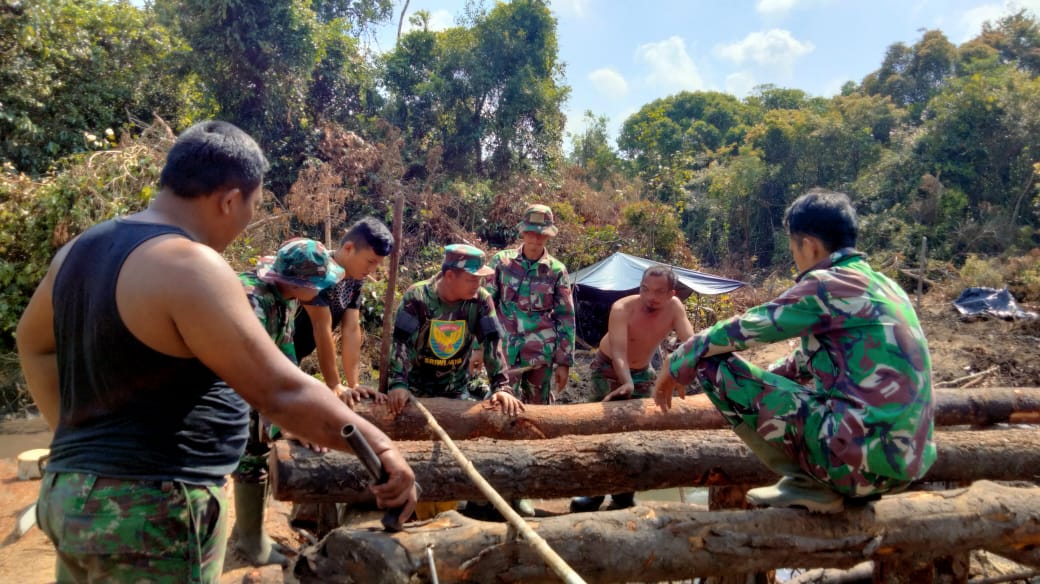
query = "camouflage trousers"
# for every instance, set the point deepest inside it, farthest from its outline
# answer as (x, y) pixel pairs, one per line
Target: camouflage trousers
(532, 386)
(116, 530)
(791, 416)
(604, 379)
(252, 466)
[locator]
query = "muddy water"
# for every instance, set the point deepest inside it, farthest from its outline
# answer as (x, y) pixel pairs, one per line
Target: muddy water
(20, 434)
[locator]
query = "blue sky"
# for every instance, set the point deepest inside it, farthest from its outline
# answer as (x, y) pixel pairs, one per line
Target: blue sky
(621, 54)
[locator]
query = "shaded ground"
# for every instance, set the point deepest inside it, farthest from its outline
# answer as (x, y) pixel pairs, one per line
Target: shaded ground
(1008, 354)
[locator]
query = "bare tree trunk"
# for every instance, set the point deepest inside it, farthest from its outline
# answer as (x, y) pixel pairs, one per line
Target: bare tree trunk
(672, 541)
(615, 463)
(388, 296)
(400, 22)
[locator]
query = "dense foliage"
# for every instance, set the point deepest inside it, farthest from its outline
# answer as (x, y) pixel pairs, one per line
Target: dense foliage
(941, 141)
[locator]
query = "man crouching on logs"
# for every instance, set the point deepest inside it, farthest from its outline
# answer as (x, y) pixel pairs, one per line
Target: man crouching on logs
(863, 427)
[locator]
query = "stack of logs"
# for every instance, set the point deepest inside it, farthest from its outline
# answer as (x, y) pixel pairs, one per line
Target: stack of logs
(562, 451)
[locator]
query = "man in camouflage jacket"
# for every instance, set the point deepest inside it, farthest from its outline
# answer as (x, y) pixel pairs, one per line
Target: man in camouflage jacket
(435, 328)
(862, 425)
(301, 269)
(536, 308)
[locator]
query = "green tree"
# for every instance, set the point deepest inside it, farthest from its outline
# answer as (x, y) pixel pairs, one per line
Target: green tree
(591, 151)
(912, 75)
(490, 93)
(76, 67)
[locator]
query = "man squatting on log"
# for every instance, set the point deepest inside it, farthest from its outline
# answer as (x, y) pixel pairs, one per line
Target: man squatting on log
(863, 425)
(635, 329)
(124, 345)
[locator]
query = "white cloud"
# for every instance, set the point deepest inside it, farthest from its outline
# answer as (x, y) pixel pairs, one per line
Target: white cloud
(572, 7)
(772, 6)
(773, 48)
(971, 20)
(670, 65)
(439, 20)
(609, 82)
(740, 83)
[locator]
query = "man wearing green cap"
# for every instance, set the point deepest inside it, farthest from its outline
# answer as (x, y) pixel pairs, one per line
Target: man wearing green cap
(435, 326)
(297, 273)
(536, 308)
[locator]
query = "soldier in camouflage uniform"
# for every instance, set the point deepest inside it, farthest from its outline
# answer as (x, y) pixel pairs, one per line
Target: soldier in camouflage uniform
(862, 424)
(301, 269)
(534, 302)
(435, 326)
(437, 323)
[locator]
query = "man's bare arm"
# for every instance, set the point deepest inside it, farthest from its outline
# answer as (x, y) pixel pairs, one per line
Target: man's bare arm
(617, 328)
(207, 305)
(681, 323)
(350, 346)
(37, 348)
(321, 325)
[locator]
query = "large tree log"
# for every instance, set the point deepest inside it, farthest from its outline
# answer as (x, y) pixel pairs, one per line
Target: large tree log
(675, 541)
(615, 463)
(466, 419)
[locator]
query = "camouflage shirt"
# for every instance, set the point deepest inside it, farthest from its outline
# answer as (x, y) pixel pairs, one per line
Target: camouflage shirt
(433, 339)
(862, 346)
(275, 312)
(535, 306)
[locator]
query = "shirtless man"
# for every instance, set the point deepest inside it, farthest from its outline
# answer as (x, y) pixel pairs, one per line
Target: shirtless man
(622, 370)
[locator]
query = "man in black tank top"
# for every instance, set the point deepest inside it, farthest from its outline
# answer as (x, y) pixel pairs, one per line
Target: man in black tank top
(123, 346)
(361, 250)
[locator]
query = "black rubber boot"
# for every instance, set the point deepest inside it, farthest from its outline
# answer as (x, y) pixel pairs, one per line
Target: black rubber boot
(586, 504)
(621, 501)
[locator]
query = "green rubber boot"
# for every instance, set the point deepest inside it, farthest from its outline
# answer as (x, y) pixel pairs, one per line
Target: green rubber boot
(796, 488)
(523, 507)
(251, 541)
(798, 492)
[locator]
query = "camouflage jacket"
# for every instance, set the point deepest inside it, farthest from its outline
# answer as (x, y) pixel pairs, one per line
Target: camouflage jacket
(275, 312)
(433, 340)
(535, 306)
(862, 346)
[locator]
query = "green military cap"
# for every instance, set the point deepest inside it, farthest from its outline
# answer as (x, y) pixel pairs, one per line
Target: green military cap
(538, 218)
(466, 257)
(300, 262)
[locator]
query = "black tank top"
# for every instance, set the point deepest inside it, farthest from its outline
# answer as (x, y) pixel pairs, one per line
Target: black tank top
(127, 410)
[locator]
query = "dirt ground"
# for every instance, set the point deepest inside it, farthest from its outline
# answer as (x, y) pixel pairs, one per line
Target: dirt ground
(1004, 353)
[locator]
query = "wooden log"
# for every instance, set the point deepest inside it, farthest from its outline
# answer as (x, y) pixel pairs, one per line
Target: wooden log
(616, 463)
(466, 419)
(672, 541)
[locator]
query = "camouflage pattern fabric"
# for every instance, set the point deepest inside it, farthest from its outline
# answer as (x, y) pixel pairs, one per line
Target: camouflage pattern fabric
(865, 423)
(536, 308)
(252, 466)
(434, 360)
(276, 313)
(605, 380)
(113, 530)
(300, 262)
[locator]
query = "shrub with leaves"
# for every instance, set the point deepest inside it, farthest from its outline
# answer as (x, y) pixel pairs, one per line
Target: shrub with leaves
(37, 217)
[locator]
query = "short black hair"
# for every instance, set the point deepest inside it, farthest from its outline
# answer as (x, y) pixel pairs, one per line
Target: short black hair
(826, 215)
(661, 272)
(369, 233)
(213, 155)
